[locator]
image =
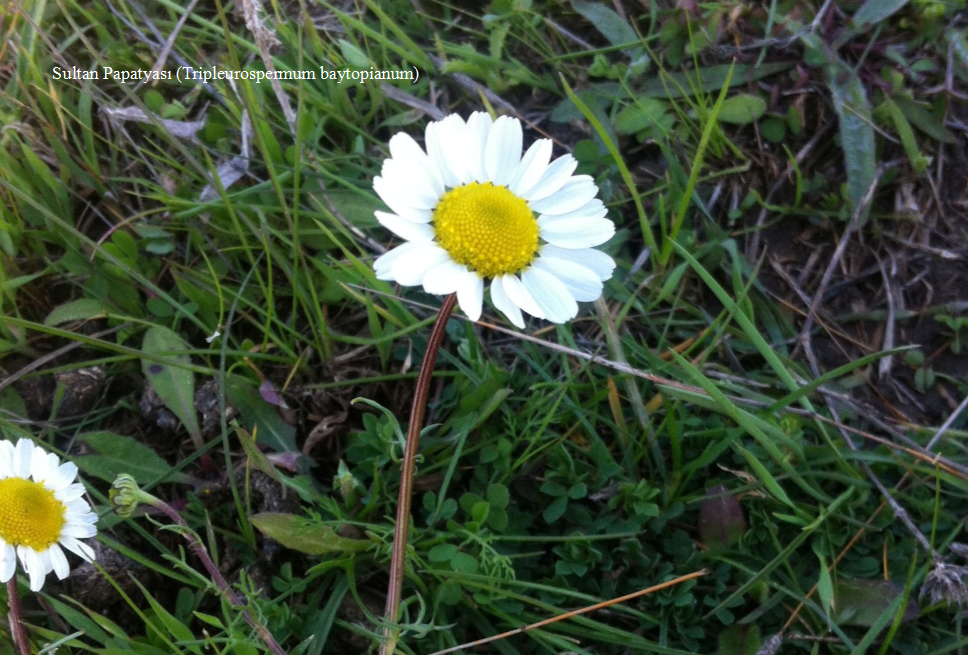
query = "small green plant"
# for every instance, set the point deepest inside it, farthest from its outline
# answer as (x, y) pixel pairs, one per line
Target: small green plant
(957, 329)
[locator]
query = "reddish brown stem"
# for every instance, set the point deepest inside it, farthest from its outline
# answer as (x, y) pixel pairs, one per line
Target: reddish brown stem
(17, 629)
(199, 549)
(398, 558)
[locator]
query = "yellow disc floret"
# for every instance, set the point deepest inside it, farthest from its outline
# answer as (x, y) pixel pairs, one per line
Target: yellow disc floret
(486, 228)
(30, 515)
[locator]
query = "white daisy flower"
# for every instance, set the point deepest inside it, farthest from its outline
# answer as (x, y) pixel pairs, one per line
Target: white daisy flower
(472, 208)
(41, 510)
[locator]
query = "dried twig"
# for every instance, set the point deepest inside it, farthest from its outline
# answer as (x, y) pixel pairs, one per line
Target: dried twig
(568, 615)
(166, 48)
(266, 39)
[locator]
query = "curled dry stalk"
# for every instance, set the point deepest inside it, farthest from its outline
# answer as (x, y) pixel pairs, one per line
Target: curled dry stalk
(126, 496)
(398, 557)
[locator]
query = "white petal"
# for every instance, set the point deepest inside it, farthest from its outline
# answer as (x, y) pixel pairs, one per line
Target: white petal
(551, 295)
(446, 143)
(44, 559)
(478, 127)
(578, 191)
(69, 493)
(555, 176)
(43, 464)
(6, 459)
(23, 453)
(504, 304)
(86, 518)
(59, 562)
(8, 565)
(520, 296)
(384, 263)
(61, 477)
(77, 506)
(418, 188)
(78, 530)
(533, 165)
(444, 278)
(397, 199)
(79, 548)
(409, 270)
(583, 284)
(594, 209)
(594, 260)
(405, 229)
(578, 232)
(33, 566)
(470, 294)
(406, 151)
(503, 151)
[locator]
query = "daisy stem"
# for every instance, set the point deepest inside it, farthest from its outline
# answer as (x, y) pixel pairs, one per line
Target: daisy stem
(398, 557)
(15, 617)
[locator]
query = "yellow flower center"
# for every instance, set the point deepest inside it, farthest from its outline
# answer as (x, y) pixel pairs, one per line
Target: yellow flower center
(486, 228)
(30, 515)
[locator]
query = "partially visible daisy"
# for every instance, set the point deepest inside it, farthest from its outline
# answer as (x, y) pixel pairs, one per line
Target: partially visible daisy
(41, 510)
(472, 208)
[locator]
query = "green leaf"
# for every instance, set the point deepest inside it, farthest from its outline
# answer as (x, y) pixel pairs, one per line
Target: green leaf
(464, 563)
(707, 79)
(118, 454)
(646, 112)
(356, 207)
(271, 430)
(924, 120)
(863, 602)
(765, 476)
(78, 310)
(553, 488)
(555, 509)
(442, 553)
(873, 12)
(209, 619)
(304, 535)
(77, 620)
(825, 588)
(176, 628)
(173, 383)
(958, 43)
(918, 161)
(773, 130)
(498, 496)
(256, 457)
(740, 639)
(742, 109)
(497, 519)
(856, 132)
(608, 23)
(577, 491)
(449, 593)
(353, 55)
(480, 511)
